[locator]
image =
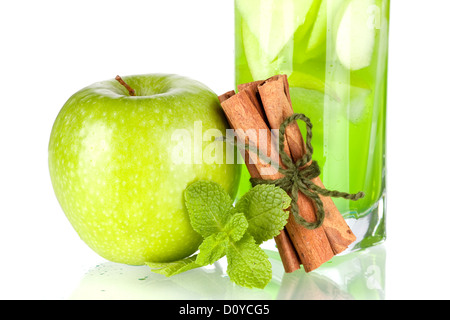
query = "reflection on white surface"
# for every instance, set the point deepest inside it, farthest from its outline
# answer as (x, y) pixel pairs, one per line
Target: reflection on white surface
(358, 275)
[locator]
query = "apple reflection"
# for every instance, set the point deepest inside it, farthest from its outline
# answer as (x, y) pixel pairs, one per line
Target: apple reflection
(355, 276)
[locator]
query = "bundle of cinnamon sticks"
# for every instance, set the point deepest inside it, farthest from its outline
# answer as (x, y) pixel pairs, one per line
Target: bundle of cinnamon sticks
(264, 105)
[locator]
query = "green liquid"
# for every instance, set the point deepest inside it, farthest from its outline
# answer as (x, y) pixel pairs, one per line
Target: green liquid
(339, 84)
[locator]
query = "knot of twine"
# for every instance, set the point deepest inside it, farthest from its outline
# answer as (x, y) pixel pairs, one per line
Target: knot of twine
(298, 177)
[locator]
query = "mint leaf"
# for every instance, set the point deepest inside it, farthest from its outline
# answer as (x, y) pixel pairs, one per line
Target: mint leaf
(172, 268)
(209, 207)
(248, 264)
(265, 209)
(212, 249)
(236, 227)
(232, 231)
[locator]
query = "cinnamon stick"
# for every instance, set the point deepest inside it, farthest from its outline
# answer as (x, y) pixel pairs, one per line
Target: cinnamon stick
(264, 105)
(312, 246)
(226, 95)
(278, 107)
(253, 94)
(250, 166)
(289, 256)
(244, 118)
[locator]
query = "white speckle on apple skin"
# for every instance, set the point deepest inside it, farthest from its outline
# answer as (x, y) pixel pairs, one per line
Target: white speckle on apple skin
(109, 160)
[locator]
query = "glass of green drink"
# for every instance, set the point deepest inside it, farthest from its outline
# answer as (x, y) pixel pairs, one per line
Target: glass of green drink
(334, 53)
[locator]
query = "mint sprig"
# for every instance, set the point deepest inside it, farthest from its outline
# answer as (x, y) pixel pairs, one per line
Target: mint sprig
(265, 209)
(234, 232)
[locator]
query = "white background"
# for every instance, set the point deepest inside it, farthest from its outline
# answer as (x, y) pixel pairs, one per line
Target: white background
(51, 49)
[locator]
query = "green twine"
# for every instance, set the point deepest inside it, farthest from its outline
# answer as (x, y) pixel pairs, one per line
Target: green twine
(298, 177)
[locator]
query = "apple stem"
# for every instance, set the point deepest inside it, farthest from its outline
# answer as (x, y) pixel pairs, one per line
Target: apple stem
(130, 90)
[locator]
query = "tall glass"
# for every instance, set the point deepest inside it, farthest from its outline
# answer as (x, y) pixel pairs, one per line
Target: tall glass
(335, 55)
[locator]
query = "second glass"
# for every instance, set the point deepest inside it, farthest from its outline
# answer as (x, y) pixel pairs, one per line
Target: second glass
(334, 53)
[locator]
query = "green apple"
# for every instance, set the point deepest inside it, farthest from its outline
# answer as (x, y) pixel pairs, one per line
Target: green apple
(111, 161)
